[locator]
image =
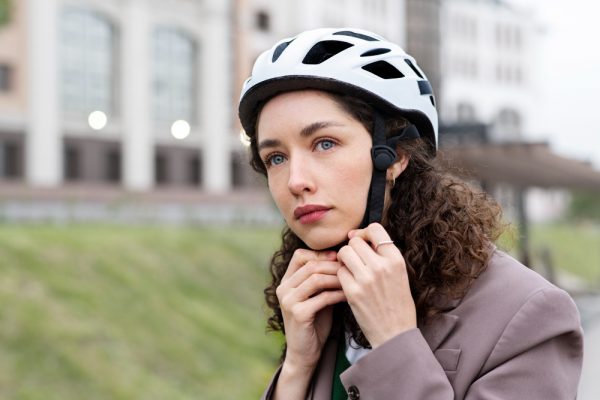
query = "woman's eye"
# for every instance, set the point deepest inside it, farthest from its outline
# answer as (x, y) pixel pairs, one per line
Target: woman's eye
(325, 144)
(275, 160)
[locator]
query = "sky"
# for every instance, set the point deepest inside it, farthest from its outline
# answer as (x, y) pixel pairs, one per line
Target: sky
(569, 111)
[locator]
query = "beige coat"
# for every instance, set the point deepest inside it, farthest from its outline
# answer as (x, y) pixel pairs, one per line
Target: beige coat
(514, 336)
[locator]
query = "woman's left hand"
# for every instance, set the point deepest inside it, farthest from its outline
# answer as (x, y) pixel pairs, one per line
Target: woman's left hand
(375, 282)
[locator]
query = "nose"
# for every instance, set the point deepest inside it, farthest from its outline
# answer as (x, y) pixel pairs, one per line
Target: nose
(301, 178)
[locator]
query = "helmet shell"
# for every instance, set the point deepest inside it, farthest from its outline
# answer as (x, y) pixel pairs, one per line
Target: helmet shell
(355, 62)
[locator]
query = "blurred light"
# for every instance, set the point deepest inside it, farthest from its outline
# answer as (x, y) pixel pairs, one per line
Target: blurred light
(180, 129)
(244, 138)
(97, 120)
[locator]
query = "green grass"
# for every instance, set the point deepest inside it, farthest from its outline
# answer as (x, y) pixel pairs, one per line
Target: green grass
(105, 312)
(575, 248)
(116, 312)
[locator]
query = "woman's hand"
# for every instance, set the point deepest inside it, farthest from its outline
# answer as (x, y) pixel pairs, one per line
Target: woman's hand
(376, 284)
(308, 290)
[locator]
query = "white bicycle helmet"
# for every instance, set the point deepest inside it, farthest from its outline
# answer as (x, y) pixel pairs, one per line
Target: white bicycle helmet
(357, 63)
(349, 61)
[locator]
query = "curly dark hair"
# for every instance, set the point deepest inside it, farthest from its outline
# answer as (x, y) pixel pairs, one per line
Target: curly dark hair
(443, 227)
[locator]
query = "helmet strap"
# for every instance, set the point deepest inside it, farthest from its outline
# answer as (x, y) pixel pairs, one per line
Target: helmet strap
(383, 155)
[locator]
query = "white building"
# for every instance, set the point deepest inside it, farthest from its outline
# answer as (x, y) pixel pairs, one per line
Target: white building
(488, 66)
(104, 83)
(97, 86)
(143, 93)
(489, 69)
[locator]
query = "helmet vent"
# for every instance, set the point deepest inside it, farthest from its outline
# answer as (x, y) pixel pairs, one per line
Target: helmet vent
(412, 66)
(432, 100)
(324, 50)
(374, 52)
(383, 69)
(279, 49)
(357, 35)
(425, 87)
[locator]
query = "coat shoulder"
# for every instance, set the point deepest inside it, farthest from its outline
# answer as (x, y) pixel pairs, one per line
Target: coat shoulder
(507, 279)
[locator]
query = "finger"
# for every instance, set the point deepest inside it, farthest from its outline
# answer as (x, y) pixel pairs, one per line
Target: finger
(302, 256)
(348, 281)
(364, 250)
(313, 286)
(376, 235)
(310, 268)
(320, 301)
(352, 261)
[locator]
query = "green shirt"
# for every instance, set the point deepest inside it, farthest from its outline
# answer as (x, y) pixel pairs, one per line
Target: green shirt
(341, 364)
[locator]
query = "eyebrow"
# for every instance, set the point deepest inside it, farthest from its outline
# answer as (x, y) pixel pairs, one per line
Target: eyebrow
(305, 132)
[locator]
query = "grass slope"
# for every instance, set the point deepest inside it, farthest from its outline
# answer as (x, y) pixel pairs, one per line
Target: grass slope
(575, 248)
(105, 312)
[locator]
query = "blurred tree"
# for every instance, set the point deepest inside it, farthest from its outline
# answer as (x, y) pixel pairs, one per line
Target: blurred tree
(4, 11)
(585, 205)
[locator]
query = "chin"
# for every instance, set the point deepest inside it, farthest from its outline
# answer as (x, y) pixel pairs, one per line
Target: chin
(322, 239)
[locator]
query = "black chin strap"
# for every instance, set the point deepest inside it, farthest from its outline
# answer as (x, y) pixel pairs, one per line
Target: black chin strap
(383, 154)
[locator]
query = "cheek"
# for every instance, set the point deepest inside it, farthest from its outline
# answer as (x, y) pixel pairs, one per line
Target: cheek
(356, 176)
(274, 187)
(278, 189)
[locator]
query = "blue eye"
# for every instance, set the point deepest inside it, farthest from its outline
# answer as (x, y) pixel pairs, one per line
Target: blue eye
(275, 160)
(325, 144)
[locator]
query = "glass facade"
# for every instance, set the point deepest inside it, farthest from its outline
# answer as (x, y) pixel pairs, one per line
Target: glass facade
(88, 62)
(173, 82)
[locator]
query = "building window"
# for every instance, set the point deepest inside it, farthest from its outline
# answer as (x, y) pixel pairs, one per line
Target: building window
(518, 39)
(11, 156)
(161, 175)
(113, 165)
(518, 75)
(237, 170)
(465, 28)
(508, 124)
(88, 62)
(72, 163)
(263, 21)
(5, 78)
(195, 170)
(174, 85)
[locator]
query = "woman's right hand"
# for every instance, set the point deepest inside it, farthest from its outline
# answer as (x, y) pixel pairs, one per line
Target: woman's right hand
(307, 293)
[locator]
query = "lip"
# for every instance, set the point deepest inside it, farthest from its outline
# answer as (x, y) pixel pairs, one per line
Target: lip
(310, 213)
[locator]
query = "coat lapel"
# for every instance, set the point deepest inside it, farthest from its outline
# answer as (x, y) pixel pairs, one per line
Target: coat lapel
(438, 329)
(323, 379)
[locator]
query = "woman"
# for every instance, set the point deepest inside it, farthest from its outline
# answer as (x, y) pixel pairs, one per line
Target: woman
(387, 283)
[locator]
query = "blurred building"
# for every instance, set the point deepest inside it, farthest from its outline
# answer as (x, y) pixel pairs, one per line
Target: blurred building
(423, 39)
(13, 97)
(139, 94)
(488, 62)
(132, 93)
(142, 93)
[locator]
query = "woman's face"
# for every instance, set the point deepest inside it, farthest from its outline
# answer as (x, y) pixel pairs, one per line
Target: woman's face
(318, 165)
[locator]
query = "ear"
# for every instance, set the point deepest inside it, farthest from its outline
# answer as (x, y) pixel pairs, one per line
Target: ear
(397, 167)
